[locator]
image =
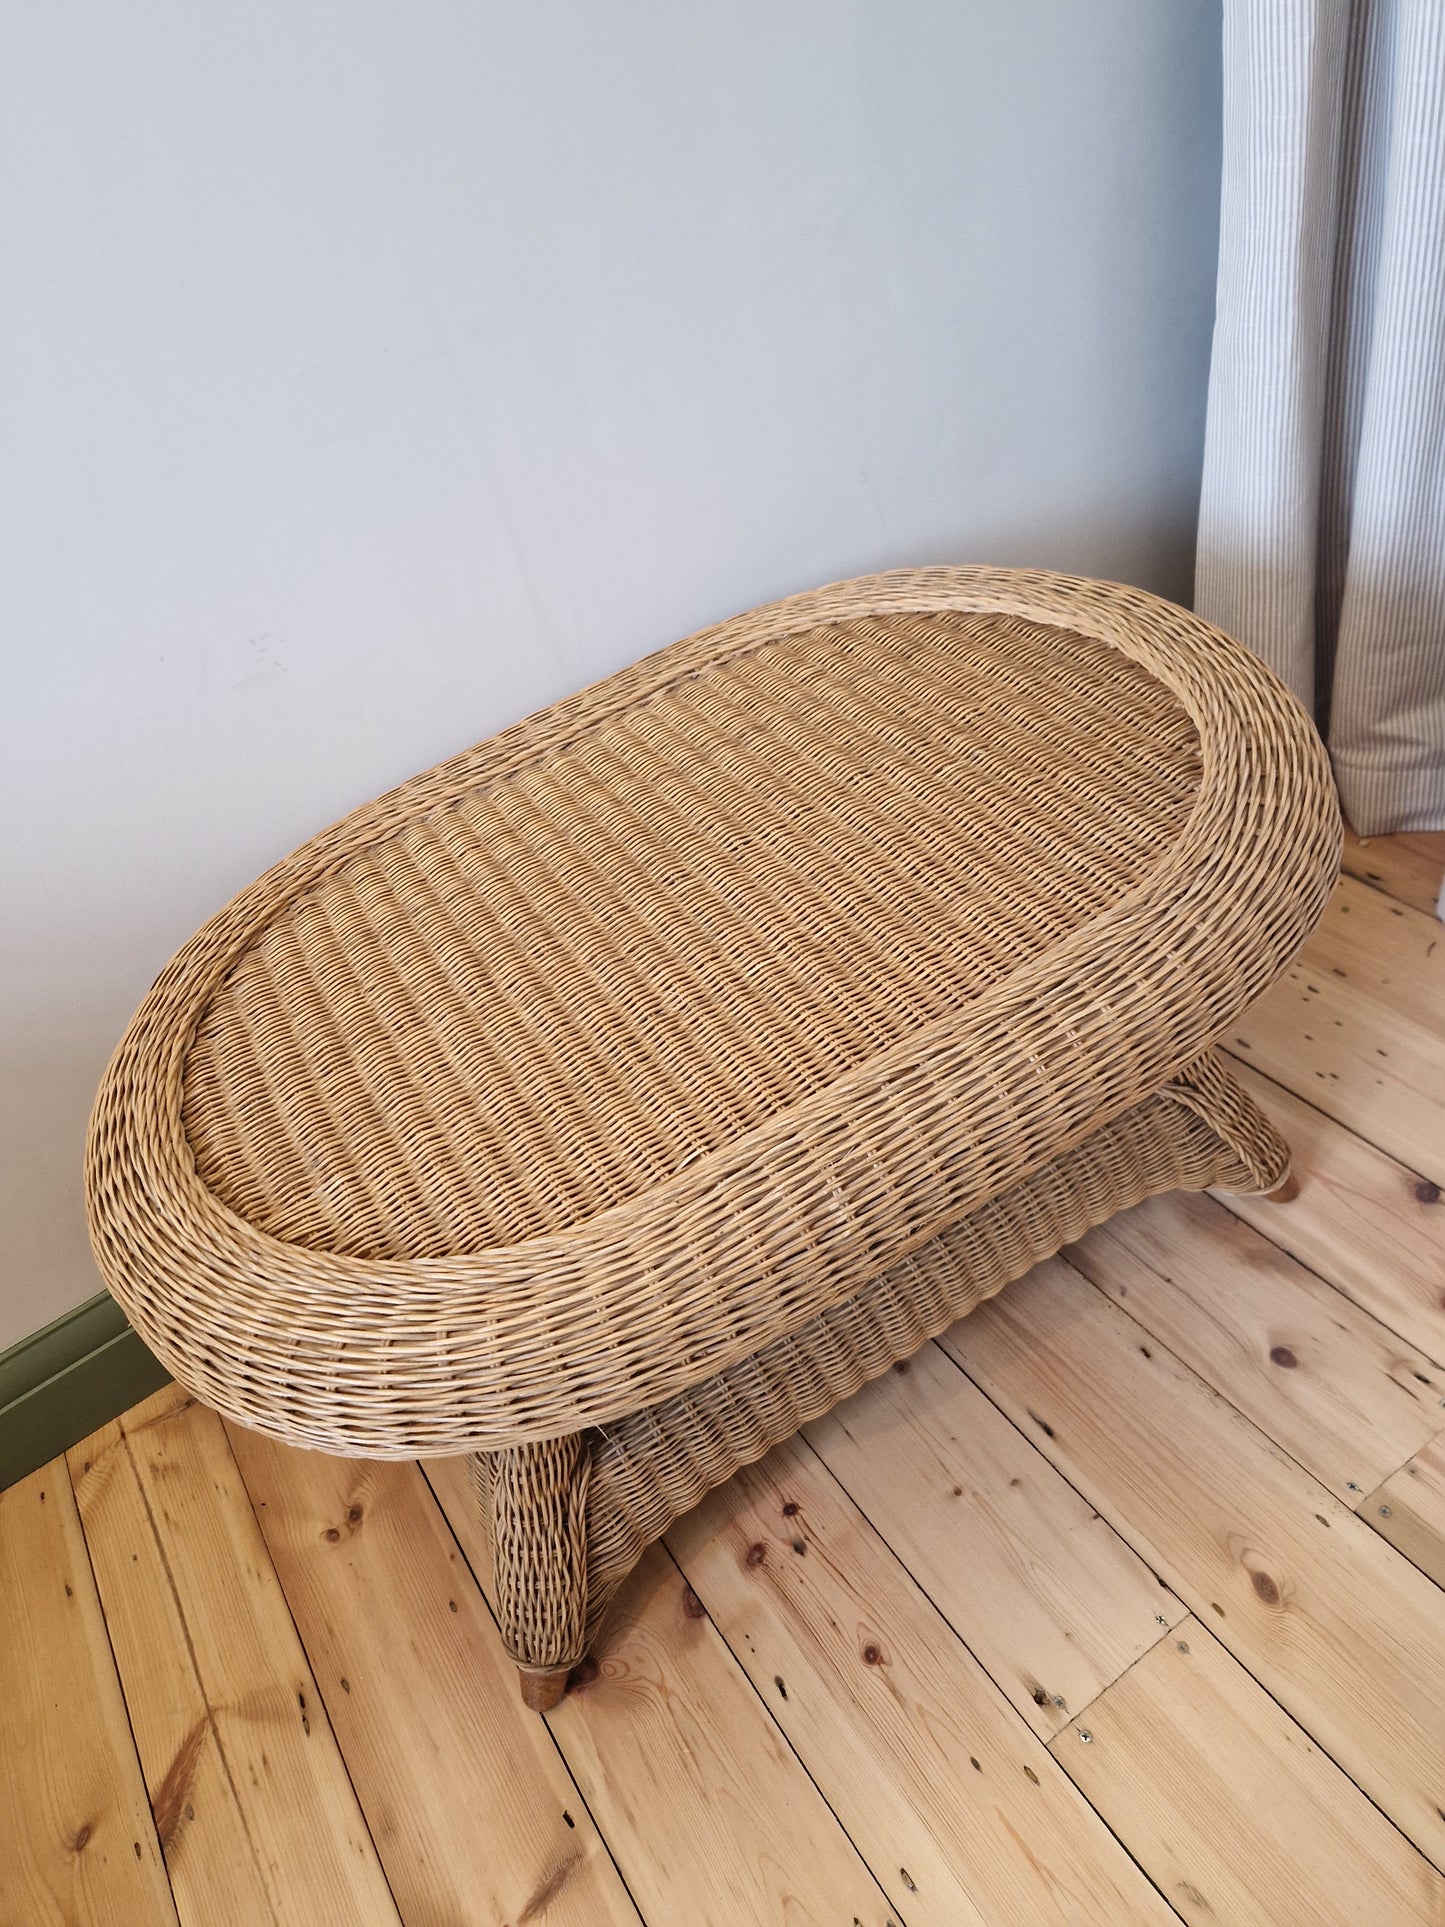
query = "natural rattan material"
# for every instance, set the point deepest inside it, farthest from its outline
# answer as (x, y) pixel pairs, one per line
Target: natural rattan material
(578, 1075)
(636, 1476)
(661, 936)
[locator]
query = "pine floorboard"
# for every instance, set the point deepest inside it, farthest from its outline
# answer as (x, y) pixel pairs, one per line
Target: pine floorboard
(977, 1515)
(1354, 1026)
(1343, 1395)
(473, 1813)
(1346, 1634)
(1409, 867)
(1181, 1491)
(77, 1842)
(1409, 1510)
(1202, 1774)
(252, 1801)
(667, 1738)
(1370, 1225)
(914, 1746)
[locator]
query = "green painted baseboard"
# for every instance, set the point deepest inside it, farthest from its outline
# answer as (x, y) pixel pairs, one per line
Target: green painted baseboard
(66, 1380)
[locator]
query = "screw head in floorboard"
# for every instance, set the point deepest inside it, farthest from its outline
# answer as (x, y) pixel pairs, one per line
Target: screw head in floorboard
(1386, 1512)
(1086, 1736)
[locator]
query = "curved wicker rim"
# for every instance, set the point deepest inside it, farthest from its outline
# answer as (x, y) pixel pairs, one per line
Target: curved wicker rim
(534, 1339)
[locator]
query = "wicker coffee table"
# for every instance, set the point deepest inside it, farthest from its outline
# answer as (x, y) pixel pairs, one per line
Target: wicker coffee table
(618, 1096)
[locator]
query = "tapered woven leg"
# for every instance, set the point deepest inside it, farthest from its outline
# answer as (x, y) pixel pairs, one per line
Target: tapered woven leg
(1261, 1162)
(536, 1496)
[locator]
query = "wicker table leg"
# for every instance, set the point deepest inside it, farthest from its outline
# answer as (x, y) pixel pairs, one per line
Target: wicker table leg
(1262, 1156)
(538, 1505)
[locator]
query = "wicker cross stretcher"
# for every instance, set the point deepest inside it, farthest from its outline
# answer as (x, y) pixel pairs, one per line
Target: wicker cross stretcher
(619, 1095)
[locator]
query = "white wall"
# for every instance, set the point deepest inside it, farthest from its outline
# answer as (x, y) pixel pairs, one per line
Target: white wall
(373, 372)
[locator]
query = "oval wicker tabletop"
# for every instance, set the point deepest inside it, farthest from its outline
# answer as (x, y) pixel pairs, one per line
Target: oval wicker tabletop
(591, 1061)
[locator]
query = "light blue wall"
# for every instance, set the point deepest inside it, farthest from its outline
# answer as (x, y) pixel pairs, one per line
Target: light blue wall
(373, 372)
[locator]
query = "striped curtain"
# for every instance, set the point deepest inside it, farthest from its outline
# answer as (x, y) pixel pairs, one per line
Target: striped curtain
(1322, 521)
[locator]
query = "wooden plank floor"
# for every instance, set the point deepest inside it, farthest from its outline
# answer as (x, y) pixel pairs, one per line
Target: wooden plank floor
(1121, 1604)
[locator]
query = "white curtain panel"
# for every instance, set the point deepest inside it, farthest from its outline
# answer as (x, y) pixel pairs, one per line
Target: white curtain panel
(1322, 521)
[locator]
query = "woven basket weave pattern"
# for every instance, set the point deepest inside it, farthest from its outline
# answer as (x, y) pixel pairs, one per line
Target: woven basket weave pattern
(648, 1469)
(619, 959)
(796, 944)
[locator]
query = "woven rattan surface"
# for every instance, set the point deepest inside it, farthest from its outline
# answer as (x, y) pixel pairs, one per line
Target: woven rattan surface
(557, 991)
(619, 1048)
(648, 1469)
